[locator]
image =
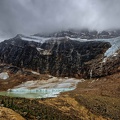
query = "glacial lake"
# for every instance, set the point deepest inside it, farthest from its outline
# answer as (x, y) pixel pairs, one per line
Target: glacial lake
(38, 94)
(42, 89)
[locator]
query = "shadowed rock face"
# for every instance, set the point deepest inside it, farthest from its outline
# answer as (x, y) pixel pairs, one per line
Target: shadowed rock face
(63, 57)
(98, 68)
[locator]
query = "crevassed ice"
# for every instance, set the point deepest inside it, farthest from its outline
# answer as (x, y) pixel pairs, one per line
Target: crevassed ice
(115, 45)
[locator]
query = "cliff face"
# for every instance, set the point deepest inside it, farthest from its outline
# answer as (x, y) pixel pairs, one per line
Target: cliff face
(58, 57)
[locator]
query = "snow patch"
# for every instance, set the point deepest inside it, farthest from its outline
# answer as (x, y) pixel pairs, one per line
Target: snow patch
(36, 73)
(104, 60)
(46, 39)
(4, 75)
(34, 38)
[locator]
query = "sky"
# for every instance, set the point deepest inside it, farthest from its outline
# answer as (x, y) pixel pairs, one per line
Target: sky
(36, 16)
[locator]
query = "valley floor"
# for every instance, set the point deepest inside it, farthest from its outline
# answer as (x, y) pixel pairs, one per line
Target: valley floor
(95, 99)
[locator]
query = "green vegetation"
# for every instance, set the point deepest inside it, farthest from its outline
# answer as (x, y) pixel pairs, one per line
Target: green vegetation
(61, 108)
(32, 109)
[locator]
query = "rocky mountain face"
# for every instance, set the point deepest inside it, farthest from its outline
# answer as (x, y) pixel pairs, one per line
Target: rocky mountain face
(62, 56)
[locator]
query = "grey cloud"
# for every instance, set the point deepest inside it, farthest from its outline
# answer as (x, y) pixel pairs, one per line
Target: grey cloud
(34, 16)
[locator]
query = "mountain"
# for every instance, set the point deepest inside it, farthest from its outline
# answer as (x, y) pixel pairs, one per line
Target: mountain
(63, 55)
(83, 34)
(23, 57)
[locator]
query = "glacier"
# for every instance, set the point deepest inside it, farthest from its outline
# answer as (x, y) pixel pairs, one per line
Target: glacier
(115, 46)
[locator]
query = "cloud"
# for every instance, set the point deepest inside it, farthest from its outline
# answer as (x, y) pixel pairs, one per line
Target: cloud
(34, 16)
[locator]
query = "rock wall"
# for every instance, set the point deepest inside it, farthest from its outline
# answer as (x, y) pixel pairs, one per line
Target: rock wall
(63, 57)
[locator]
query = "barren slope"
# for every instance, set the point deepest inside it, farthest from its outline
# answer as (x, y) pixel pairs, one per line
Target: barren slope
(8, 114)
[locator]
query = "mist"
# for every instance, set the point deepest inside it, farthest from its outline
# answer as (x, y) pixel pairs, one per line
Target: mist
(36, 16)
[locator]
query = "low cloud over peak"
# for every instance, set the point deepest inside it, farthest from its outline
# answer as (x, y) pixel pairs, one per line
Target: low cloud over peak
(34, 16)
